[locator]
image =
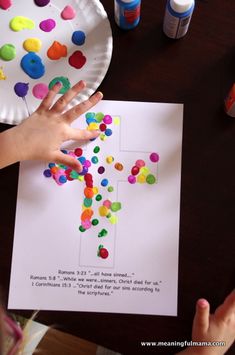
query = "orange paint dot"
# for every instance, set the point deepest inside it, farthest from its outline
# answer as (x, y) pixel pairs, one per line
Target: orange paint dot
(118, 166)
(54, 169)
(87, 214)
(88, 192)
(57, 51)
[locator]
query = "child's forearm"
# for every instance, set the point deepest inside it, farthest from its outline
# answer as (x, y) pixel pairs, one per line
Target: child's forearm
(9, 147)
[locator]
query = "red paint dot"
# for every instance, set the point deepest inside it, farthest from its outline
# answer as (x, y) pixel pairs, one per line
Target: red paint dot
(104, 253)
(78, 152)
(102, 127)
(135, 170)
(77, 60)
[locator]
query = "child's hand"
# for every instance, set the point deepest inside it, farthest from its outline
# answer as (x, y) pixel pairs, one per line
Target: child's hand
(216, 327)
(40, 136)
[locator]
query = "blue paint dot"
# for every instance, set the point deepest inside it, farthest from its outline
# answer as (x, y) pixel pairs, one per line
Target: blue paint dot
(104, 182)
(50, 165)
(32, 65)
(21, 89)
(47, 173)
(62, 179)
(94, 160)
(64, 151)
(78, 38)
(84, 171)
(108, 132)
(82, 160)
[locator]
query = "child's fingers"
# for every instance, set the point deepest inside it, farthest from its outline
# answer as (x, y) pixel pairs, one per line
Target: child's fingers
(201, 318)
(227, 309)
(47, 102)
(83, 134)
(67, 160)
(84, 106)
(64, 100)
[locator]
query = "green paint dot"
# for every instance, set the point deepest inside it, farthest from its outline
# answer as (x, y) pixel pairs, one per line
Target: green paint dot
(98, 197)
(116, 206)
(87, 202)
(99, 116)
(96, 149)
(7, 52)
(110, 189)
(73, 174)
(95, 222)
(102, 233)
(150, 179)
(64, 81)
(90, 115)
(81, 229)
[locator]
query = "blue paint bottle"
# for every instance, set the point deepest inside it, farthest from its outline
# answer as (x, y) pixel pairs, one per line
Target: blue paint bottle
(127, 13)
(177, 17)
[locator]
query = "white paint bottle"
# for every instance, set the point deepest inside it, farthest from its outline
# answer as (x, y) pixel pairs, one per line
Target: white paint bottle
(177, 17)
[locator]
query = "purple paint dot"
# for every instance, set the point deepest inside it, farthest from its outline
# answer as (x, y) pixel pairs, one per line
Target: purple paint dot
(47, 25)
(101, 170)
(47, 173)
(41, 3)
(21, 89)
(131, 179)
(154, 157)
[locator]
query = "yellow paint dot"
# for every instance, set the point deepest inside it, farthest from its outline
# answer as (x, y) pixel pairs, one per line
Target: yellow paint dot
(144, 170)
(95, 190)
(103, 137)
(113, 219)
(93, 126)
(32, 45)
(19, 23)
(109, 159)
(141, 178)
(2, 75)
(116, 120)
(103, 211)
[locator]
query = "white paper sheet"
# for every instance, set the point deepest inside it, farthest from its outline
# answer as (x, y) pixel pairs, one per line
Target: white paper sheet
(56, 267)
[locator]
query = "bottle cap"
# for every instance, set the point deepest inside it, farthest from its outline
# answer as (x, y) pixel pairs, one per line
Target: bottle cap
(181, 5)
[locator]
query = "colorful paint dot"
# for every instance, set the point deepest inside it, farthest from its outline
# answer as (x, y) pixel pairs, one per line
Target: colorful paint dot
(77, 60)
(101, 169)
(102, 127)
(7, 52)
(154, 157)
(32, 44)
(94, 160)
(140, 163)
(57, 51)
(144, 170)
(116, 121)
(108, 132)
(20, 23)
(40, 91)
(104, 182)
(113, 219)
(107, 119)
(116, 206)
(87, 202)
(103, 253)
(141, 178)
(2, 75)
(47, 173)
(93, 126)
(95, 222)
(118, 166)
(78, 38)
(103, 211)
(96, 149)
(109, 159)
(41, 3)
(131, 179)
(135, 170)
(64, 81)
(150, 179)
(47, 25)
(102, 233)
(62, 179)
(21, 89)
(99, 116)
(107, 203)
(98, 197)
(5, 4)
(78, 152)
(68, 13)
(110, 189)
(82, 229)
(32, 65)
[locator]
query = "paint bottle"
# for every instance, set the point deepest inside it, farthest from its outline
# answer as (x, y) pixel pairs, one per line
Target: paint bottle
(177, 17)
(127, 13)
(229, 103)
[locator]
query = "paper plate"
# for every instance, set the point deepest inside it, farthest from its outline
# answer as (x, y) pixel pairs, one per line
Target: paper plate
(90, 18)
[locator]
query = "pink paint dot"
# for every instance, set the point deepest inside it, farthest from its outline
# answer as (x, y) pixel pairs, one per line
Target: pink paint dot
(5, 4)
(154, 157)
(140, 163)
(68, 13)
(47, 25)
(131, 179)
(107, 203)
(40, 91)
